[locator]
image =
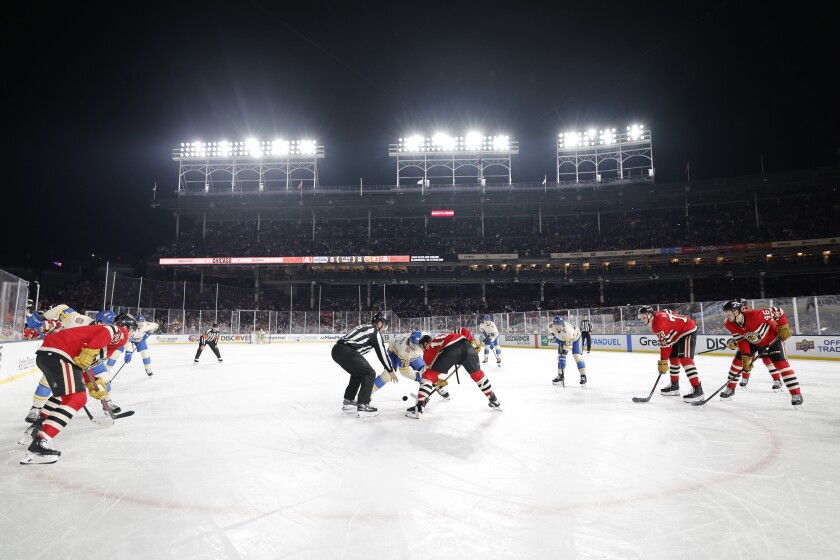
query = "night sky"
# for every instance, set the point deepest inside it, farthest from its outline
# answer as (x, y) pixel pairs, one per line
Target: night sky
(97, 99)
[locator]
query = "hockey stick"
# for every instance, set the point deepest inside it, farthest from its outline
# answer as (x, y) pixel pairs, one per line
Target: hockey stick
(647, 398)
(107, 407)
(105, 421)
(704, 401)
(437, 387)
(118, 372)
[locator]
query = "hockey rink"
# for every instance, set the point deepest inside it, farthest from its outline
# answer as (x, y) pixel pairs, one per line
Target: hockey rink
(253, 459)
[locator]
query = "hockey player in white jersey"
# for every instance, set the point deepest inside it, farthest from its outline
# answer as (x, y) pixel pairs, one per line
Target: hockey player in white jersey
(490, 339)
(406, 356)
(566, 336)
(137, 341)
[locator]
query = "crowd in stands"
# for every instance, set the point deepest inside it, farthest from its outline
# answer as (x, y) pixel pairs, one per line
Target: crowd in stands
(528, 236)
(413, 301)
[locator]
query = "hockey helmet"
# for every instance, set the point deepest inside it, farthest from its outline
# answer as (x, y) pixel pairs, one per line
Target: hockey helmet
(105, 317)
(415, 338)
(425, 339)
(645, 310)
(140, 318)
(215, 325)
(735, 305)
(487, 318)
(379, 317)
(125, 320)
(558, 320)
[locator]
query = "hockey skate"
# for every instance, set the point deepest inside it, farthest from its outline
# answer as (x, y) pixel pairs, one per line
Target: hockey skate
(366, 411)
(415, 411)
(33, 414)
(349, 405)
(484, 361)
(582, 379)
(672, 390)
(149, 373)
(777, 386)
(221, 360)
(494, 403)
(744, 381)
(114, 408)
(695, 395)
(32, 431)
(195, 362)
(499, 363)
(40, 452)
(444, 394)
(727, 394)
(796, 400)
(560, 379)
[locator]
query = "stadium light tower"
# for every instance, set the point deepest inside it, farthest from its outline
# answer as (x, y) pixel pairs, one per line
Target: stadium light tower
(246, 166)
(471, 158)
(605, 154)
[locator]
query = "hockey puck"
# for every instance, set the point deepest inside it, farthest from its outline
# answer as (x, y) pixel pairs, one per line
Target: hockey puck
(405, 398)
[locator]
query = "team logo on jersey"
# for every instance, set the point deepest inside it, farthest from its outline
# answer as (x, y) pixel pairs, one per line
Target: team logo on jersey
(117, 335)
(753, 337)
(805, 345)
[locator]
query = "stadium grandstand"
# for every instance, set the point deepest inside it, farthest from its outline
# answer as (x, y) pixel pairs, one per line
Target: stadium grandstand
(460, 245)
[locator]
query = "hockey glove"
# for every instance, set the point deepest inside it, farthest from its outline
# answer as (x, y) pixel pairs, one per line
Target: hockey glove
(563, 351)
(662, 366)
(97, 390)
(441, 383)
(86, 357)
(128, 354)
(784, 332)
(475, 343)
(746, 361)
(34, 322)
(731, 344)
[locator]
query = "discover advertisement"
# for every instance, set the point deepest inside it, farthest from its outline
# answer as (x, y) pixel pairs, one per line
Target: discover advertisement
(814, 347)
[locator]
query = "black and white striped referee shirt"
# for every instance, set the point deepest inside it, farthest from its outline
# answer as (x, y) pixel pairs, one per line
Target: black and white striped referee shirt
(363, 338)
(585, 326)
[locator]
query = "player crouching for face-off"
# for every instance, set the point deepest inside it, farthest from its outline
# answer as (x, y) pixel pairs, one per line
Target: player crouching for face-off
(676, 348)
(65, 359)
(762, 332)
(441, 353)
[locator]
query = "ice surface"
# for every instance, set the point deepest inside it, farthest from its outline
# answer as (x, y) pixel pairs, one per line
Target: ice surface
(253, 459)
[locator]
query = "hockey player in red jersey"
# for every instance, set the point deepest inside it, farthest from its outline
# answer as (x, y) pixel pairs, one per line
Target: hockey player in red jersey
(761, 331)
(736, 368)
(441, 353)
(676, 348)
(64, 358)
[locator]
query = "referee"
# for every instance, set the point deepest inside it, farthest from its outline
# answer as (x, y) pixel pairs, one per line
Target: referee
(585, 329)
(349, 352)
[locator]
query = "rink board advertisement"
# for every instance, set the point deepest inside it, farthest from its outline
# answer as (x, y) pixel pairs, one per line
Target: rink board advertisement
(17, 359)
(820, 347)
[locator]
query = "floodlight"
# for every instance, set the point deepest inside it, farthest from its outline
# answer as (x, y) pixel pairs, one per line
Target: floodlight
(501, 143)
(608, 136)
(635, 132)
(443, 142)
(473, 141)
(307, 147)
